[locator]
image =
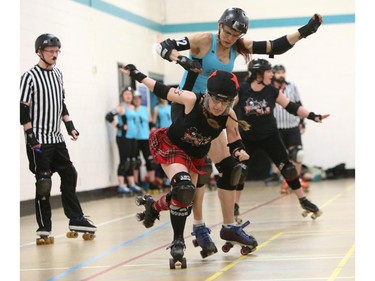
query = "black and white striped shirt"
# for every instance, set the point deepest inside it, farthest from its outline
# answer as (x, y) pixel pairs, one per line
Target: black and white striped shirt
(44, 92)
(284, 119)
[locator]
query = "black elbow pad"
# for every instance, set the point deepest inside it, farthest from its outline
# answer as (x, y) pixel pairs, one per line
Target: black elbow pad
(24, 114)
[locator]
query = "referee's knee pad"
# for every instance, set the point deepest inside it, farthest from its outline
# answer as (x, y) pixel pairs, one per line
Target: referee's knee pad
(43, 184)
(231, 171)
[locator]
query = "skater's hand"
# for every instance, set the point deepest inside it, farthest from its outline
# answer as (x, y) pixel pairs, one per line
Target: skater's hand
(241, 155)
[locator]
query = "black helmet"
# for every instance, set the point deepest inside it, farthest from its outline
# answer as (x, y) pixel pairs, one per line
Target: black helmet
(236, 19)
(278, 67)
(223, 85)
(258, 66)
(46, 40)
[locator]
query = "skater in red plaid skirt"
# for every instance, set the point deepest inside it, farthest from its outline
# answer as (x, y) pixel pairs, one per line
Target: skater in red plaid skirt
(181, 148)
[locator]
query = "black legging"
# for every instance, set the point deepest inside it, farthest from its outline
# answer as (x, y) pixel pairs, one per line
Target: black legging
(128, 152)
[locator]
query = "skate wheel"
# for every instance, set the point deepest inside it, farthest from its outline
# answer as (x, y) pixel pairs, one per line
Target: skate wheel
(305, 213)
(172, 264)
(140, 216)
(316, 215)
(245, 251)
(195, 243)
(40, 241)
(183, 263)
(226, 247)
(72, 234)
(139, 200)
(204, 254)
(88, 236)
(51, 239)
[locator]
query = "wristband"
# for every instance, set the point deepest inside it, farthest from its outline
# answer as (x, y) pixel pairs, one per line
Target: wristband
(235, 146)
(70, 127)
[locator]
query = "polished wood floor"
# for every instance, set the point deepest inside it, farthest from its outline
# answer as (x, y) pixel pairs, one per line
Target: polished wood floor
(291, 247)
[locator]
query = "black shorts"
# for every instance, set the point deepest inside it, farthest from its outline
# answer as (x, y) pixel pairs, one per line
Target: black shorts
(291, 137)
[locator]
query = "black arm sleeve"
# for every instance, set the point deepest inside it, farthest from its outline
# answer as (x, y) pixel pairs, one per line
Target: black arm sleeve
(260, 47)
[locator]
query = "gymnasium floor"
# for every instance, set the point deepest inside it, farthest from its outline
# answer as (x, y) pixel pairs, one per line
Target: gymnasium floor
(291, 247)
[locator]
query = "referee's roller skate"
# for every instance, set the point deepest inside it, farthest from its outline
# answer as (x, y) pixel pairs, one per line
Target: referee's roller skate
(236, 235)
(177, 252)
(237, 217)
(83, 225)
(309, 208)
(149, 215)
(44, 236)
(203, 239)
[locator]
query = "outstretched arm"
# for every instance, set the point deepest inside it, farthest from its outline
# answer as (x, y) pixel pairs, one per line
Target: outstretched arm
(286, 42)
(184, 97)
(299, 110)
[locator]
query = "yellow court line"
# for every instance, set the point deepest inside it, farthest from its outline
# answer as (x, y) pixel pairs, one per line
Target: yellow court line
(341, 265)
(330, 201)
(229, 266)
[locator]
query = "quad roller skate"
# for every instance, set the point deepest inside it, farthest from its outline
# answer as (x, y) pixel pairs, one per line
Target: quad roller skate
(236, 235)
(237, 217)
(44, 237)
(149, 215)
(177, 252)
(203, 240)
(309, 208)
(83, 225)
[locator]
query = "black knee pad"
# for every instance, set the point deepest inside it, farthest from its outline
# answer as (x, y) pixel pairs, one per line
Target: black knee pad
(288, 170)
(137, 163)
(69, 176)
(231, 171)
(43, 187)
(150, 163)
(183, 189)
(207, 168)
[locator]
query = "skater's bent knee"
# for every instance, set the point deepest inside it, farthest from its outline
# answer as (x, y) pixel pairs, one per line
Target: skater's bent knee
(182, 189)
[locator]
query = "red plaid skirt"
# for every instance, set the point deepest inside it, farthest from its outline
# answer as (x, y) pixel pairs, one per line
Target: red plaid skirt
(165, 152)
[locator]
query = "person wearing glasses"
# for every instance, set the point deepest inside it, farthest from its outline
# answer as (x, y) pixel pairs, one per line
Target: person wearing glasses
(218, 51)
(181, 149)
(42, 108)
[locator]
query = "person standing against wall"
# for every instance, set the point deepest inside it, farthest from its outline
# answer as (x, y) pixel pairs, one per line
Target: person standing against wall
(291, 127)
(218, 51)
(126, 142)
(144, 124)
(42, 108)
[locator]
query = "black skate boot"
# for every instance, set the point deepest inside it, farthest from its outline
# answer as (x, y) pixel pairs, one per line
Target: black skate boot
(177, 252)
(83, 225)
(236, 235)
(237, 217)
(44, 236)
(203, 240)
(149, 215)
(309, 208)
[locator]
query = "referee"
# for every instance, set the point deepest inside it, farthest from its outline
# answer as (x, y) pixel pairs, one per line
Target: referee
(42, 108)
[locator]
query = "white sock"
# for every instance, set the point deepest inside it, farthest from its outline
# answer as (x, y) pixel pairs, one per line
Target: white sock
(198, 223)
